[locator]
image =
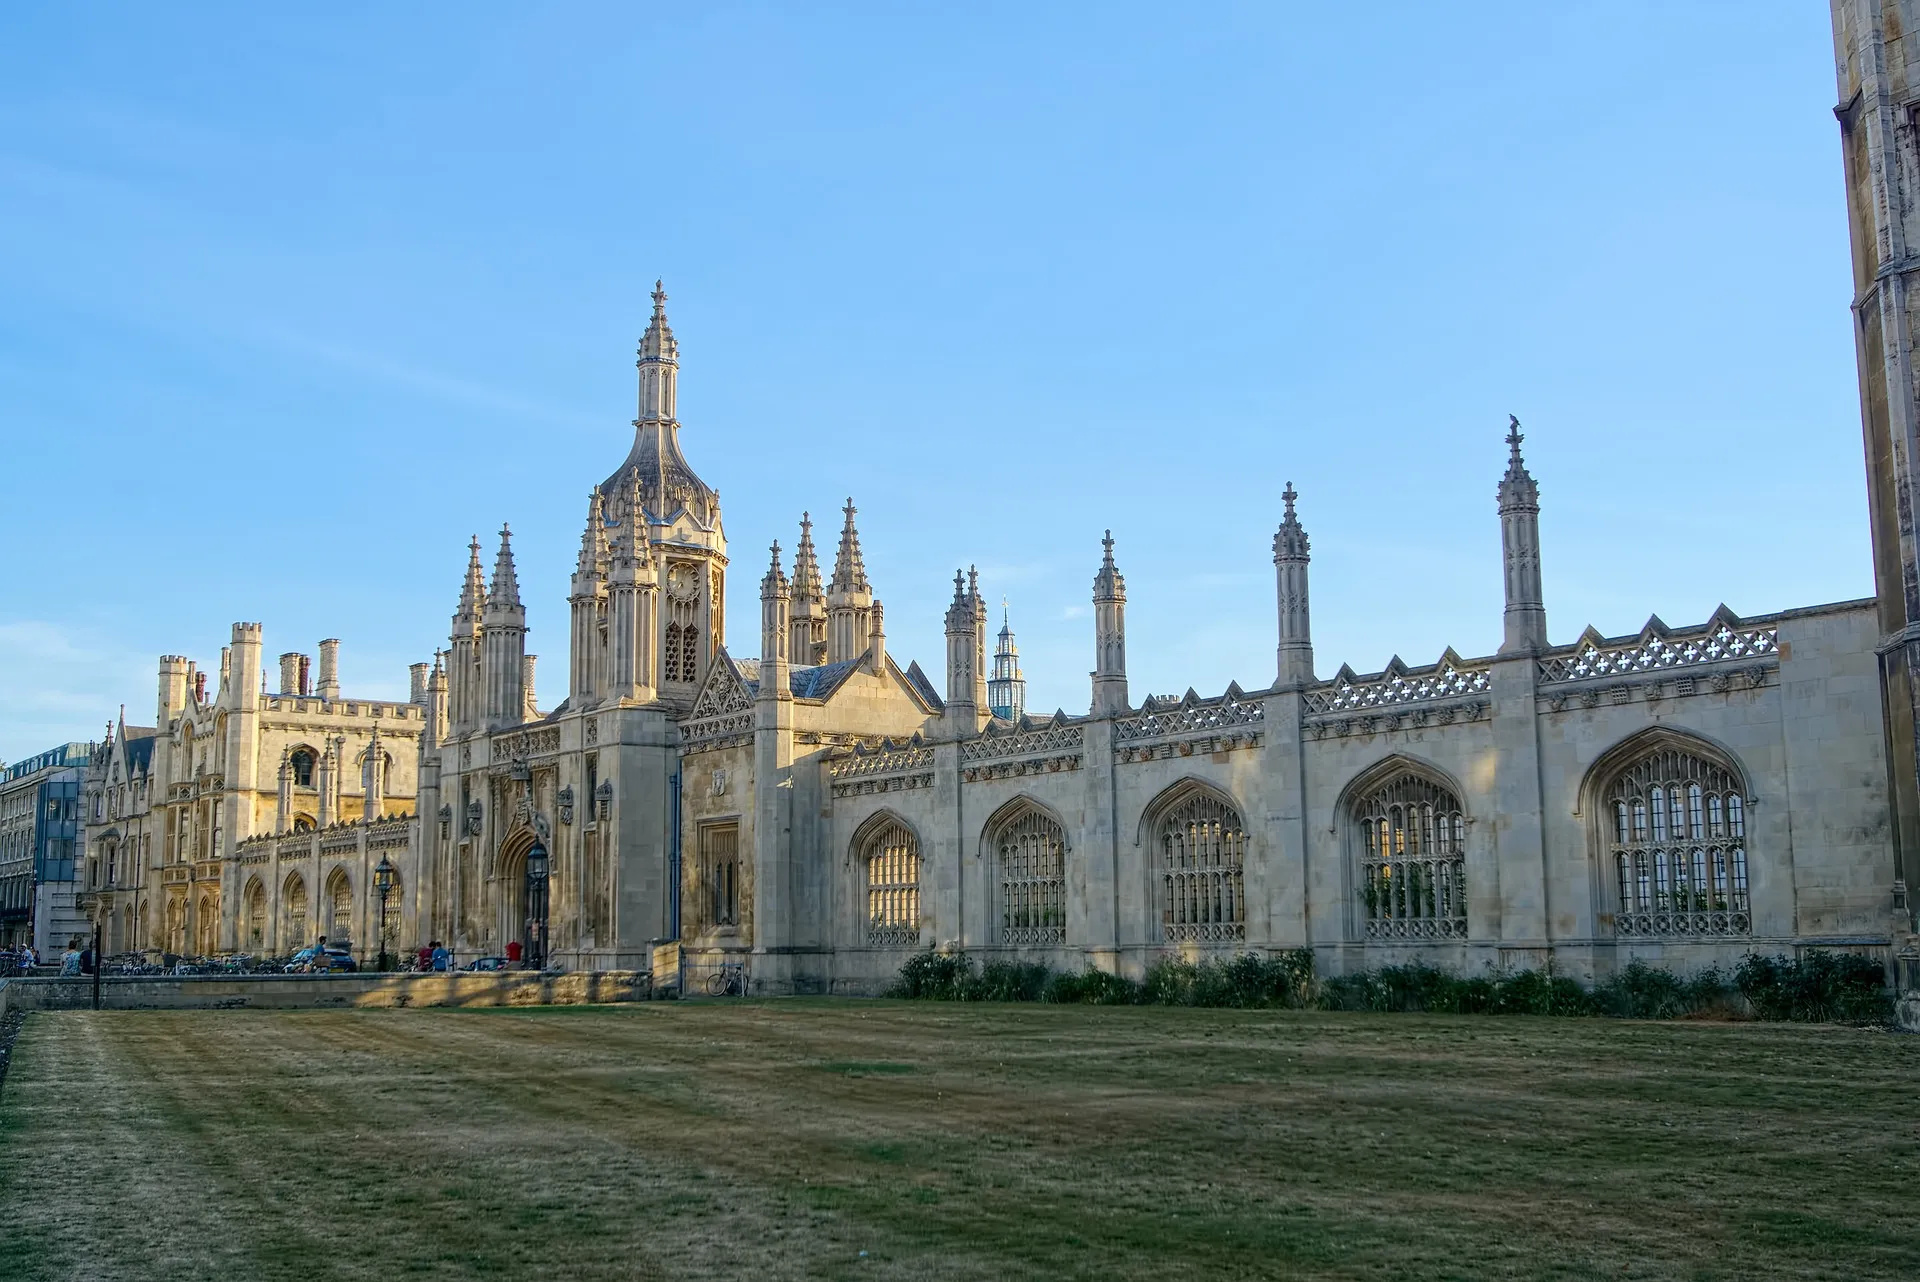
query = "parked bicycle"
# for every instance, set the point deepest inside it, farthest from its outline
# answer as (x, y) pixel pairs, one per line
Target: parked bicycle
(729, 981)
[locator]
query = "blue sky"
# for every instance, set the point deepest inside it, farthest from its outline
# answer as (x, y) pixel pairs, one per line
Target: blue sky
(294, 300)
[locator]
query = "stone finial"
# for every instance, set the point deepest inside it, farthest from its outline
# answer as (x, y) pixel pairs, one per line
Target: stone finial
(775, 582)
(960, 613)
(1290, 541)
(1108, 583)
(1517, 488)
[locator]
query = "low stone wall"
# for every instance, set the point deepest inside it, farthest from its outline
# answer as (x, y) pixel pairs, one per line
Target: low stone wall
(319, 992)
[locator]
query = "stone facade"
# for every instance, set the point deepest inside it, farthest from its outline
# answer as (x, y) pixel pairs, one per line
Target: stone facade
(1683, 794)
(1877, 64)
(249, 820)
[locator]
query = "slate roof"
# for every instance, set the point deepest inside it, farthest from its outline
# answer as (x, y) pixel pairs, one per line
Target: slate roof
(139, 745)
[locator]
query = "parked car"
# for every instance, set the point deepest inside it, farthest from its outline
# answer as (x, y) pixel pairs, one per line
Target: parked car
(486, 963)
(317, 960)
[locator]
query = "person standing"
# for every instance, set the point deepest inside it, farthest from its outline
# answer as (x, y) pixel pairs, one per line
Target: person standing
(70, 960)
(442, 959)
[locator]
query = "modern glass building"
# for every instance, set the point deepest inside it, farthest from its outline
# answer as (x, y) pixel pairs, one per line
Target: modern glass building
(40, 848)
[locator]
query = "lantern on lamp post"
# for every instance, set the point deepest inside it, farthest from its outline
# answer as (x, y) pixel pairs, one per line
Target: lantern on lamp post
(383, 884)
(537, 907)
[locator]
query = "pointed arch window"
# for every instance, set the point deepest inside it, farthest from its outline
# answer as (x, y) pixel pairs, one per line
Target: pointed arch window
(1677, 828)
(1031, 857)
(339, 909)
(1201, 844)
(300, 764)
(1413, 865)
(294, 907)
(892, 859)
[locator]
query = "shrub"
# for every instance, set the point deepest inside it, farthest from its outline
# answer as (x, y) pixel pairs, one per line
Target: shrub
(1005, 981)
(931, 976)
(1821, 986)
(1641, 991)
(1094, 988)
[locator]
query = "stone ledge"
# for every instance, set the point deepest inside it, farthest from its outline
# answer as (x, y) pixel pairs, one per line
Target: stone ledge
(317, 992)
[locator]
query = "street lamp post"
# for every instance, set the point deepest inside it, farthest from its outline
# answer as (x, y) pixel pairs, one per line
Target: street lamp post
(537, 907)
(383, 883)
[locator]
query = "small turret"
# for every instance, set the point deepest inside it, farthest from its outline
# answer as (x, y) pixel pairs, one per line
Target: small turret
(1109, 636)
(775, 631)
(1526, 612)
(963, 712)
(1290, 560)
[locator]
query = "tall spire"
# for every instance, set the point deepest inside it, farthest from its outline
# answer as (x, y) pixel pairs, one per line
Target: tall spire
(806, 565)
(849, 570)
(473, 593)
(593, 540)
(505, 591)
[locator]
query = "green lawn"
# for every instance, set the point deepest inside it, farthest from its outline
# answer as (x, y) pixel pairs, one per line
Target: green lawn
(864, 1139)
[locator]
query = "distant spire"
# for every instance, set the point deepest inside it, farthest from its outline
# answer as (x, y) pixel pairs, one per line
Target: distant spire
(505, 591)
(973, 584)
(1006, 688)
(849, 570)
(473, 593)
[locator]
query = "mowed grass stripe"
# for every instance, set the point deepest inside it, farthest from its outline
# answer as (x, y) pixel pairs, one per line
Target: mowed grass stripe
(732, 1140)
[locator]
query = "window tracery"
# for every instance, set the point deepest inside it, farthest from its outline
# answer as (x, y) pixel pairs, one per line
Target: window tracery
(1413, 867)
(892, 857)
(1202, 845)
(720, 857)
(1032, 853)
(1677, 830)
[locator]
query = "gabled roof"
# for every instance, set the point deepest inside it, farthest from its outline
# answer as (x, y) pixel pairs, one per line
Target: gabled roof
(138, 746)
(820, 682)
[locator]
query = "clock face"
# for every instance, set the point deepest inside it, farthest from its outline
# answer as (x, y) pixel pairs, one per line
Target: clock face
(683, 582)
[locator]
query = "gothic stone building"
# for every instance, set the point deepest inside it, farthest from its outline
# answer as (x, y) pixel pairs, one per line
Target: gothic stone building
(1684, 794)
(249, 821)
